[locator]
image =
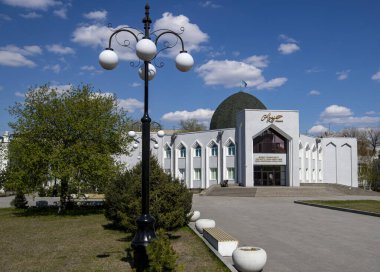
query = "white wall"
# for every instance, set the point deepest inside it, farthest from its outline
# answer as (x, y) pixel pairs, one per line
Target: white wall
(255, 122)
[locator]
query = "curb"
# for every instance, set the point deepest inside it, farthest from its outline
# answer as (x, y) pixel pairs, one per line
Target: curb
(227, 261)
(338, 208)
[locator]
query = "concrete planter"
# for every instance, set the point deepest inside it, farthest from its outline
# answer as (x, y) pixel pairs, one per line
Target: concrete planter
(249, 259)
(194, 216)
(200, 224)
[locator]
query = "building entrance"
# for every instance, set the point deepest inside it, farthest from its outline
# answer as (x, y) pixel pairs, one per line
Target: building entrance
(270, 175)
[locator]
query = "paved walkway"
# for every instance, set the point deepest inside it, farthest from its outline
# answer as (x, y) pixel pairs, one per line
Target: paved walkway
(298, 238)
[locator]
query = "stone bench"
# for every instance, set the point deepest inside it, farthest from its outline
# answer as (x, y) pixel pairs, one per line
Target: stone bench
(224, 243)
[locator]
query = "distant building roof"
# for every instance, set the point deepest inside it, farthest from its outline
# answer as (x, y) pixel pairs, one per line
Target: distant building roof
(225, 114)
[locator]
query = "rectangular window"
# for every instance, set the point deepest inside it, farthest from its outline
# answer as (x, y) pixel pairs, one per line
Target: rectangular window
(231, 173)
(197, 174)
(213, 173)
(198, 152)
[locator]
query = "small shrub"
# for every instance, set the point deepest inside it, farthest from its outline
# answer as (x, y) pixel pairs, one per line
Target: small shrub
(20, 201)
(161, 254)
(170, 201)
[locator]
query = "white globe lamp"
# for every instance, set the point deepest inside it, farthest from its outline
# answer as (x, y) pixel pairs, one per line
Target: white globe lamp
(155, 146)
(184, 61)
(146, 49)
(160, 133)
(135, 145)
(151, 71)
(108, 59)
(131, 133)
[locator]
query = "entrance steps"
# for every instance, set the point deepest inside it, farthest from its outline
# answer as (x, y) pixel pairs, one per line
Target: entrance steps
(280, 191)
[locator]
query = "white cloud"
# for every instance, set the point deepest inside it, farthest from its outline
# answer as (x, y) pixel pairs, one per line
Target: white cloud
(97, 36)
(229, 73)
(130, 104)
(333, 111)
(59, 49)
(193, 37)
(288, 48)
(56, 68)
(317, 130)
(351, 120)
(32, 4)
(335, 114)
(88, 68)
(5, 17)
(14, 59)
(287, 38)
(62, 13)
(273, 83)
(314, 70)
(92, 35)
(199, 114)
(210, 4)
(31, 15)
(343, 74)
(258, 61)
(97, 15)
(376, 77)
(135, 84)
(28, 50)
(314, 92)
(14, 56)
(19, 94)
(371, 112)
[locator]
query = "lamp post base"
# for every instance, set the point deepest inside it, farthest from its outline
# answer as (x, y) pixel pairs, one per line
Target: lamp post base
(144, 235)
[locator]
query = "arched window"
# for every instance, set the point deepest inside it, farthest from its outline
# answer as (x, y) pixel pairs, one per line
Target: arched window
(182, 152)
(269, 141)
(167, 152)
(214, 150)
(198, 151)
(231, 149)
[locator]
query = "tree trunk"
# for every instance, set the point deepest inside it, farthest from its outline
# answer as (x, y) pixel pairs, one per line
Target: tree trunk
(64, 195)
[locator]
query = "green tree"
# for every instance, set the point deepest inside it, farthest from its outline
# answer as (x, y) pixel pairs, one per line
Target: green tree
(170, 200)
(191, 125)
(69, 135)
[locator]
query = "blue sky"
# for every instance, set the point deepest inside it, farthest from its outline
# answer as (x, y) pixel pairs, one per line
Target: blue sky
(319, 57)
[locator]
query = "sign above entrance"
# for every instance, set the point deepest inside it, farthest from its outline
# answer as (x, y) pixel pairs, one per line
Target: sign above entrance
(269, 118)
(269, 159)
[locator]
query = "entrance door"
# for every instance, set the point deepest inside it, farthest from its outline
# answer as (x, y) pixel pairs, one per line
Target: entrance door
(269, 175)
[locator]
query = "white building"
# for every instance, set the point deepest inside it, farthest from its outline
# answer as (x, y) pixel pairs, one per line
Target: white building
(4, 140)
(252, 146)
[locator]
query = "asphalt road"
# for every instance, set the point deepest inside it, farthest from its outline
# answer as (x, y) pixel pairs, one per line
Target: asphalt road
(298, 238)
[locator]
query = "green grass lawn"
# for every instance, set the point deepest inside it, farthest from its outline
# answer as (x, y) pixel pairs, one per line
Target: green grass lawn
(362, 205)
(48, 242)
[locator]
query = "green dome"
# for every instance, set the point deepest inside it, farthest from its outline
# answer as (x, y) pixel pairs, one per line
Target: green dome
(225, 114)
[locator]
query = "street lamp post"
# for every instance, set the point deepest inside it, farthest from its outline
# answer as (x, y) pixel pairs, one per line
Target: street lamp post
(146, 50)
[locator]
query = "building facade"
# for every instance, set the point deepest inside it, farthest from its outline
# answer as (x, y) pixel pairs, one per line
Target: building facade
(264, 148)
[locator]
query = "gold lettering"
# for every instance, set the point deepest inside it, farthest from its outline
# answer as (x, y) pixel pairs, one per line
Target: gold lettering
(271, 118)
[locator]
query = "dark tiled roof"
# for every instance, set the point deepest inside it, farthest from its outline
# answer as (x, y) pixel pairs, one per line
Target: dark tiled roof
(225, 114)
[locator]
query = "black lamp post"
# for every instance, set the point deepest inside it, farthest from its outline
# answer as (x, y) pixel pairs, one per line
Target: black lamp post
(146, 50)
